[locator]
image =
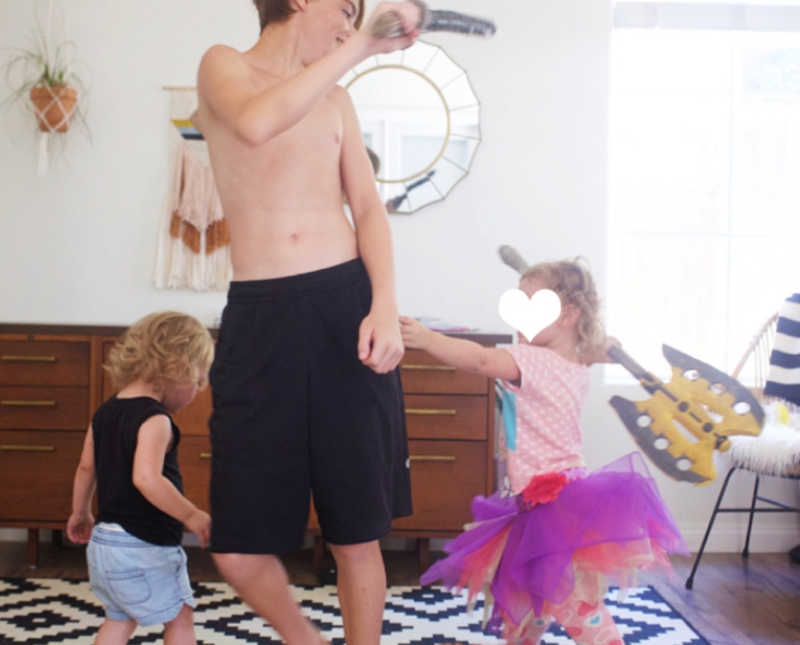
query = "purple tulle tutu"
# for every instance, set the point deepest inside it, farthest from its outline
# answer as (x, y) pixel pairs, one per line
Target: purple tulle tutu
(601, 528)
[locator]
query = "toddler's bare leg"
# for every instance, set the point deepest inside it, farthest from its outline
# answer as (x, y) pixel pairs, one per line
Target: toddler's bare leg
(115, 632)
(362, 591)
(261, 581)
(180, 630)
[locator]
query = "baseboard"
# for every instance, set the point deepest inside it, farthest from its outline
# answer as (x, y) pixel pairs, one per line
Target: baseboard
(14, 535)
(730, 537)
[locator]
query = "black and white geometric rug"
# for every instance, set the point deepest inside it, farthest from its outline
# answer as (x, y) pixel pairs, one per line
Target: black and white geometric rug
(47, 611)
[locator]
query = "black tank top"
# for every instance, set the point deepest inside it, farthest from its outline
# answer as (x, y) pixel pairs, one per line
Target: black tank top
(115, 428)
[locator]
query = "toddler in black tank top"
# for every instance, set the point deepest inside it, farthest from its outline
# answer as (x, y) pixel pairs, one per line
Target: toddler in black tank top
(137, 567)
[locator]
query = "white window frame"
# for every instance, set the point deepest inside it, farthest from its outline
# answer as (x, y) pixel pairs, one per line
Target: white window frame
(764, 16)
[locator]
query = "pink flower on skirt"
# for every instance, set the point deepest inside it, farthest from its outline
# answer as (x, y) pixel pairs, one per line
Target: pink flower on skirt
(543, 488)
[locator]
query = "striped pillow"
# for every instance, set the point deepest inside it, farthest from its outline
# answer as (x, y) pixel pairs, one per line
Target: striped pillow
(783, 378)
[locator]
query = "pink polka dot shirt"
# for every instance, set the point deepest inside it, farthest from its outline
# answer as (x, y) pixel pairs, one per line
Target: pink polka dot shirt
(549, 399)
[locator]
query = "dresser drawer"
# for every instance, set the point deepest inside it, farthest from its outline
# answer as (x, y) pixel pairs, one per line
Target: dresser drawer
(445, 476)
(44, 363)
(422, 374)
(193, 419)
(107, 385)
(194, 458)
(36, 473)
(434, 416)
(44, 408)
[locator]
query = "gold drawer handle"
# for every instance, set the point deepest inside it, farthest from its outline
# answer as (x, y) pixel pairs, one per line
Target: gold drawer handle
(429, 368)
(430, 412)
(433, 458)
(10, 447)
(28, 404)
(8, 358)
(205, 455)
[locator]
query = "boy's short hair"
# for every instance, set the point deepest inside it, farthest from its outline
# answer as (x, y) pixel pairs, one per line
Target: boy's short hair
(280, 10)
(161, 347)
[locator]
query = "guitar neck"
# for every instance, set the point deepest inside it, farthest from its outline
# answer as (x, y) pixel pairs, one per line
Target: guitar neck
(645, 378)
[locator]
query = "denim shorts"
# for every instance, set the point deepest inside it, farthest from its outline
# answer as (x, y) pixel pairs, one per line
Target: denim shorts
(137, 580)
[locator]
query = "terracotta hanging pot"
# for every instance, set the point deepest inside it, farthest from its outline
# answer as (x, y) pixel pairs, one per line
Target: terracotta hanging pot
(54, 106)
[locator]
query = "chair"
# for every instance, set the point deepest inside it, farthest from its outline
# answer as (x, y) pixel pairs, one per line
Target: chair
(775, 453)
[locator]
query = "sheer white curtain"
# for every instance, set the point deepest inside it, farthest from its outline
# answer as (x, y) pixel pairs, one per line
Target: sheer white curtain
(704, 199)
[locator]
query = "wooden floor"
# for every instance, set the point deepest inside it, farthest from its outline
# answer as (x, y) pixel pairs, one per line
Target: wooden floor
(734, 601)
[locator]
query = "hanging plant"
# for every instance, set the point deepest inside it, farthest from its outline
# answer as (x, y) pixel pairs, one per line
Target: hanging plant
(54, 101)
(43, 77)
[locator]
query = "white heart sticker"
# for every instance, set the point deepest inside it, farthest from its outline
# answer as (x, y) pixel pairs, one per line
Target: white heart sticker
(529, 315)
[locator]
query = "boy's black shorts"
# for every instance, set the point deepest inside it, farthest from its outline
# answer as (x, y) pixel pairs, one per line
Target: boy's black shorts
(296, 413)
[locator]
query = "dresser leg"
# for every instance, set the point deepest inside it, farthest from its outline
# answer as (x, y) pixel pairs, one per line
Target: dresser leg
(423, 554)
(33, 548)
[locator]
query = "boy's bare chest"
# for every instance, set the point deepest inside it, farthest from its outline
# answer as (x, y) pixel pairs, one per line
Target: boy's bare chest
(320, 132)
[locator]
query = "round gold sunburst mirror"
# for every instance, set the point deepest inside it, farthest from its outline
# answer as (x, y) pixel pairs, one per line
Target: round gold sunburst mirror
(421, 118)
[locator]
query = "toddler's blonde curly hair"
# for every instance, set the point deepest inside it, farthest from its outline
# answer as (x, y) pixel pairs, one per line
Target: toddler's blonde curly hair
(162, 347)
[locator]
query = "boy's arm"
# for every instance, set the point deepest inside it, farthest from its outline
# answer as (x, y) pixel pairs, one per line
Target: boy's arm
(379, 343)
(224, 81)
(81, 521)
(463, 354)
(152, 443)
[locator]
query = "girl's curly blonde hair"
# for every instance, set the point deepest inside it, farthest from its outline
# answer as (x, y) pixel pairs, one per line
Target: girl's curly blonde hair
(162, 347)
(574, 284)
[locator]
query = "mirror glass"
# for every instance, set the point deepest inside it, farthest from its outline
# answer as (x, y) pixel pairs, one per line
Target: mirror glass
(420, 117)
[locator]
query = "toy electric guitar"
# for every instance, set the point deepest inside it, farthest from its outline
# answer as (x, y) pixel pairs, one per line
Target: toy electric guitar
(684, 421)
(390, 24)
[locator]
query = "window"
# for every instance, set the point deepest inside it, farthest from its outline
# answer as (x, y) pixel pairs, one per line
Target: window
(704, 198)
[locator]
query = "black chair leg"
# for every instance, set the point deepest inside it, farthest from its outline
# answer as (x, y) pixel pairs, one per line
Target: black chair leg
(690, 579)
(746, 551)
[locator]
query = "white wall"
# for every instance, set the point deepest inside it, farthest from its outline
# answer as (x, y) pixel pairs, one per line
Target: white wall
(79, 245)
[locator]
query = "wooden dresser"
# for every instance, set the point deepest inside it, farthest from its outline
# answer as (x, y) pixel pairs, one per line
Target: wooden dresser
(51, 380)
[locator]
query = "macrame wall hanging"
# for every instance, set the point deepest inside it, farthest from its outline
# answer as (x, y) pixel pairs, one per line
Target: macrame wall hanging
(194, 241)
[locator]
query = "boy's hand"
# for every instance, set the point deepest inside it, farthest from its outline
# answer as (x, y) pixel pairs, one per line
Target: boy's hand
(408, 13)
(79, 527)
(414, 333)
(199, 523)
(379, 344)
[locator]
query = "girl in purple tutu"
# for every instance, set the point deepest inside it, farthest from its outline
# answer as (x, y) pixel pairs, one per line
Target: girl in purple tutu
(548, 549)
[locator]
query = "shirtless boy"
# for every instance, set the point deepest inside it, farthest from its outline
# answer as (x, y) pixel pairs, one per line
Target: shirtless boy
(306, 393)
